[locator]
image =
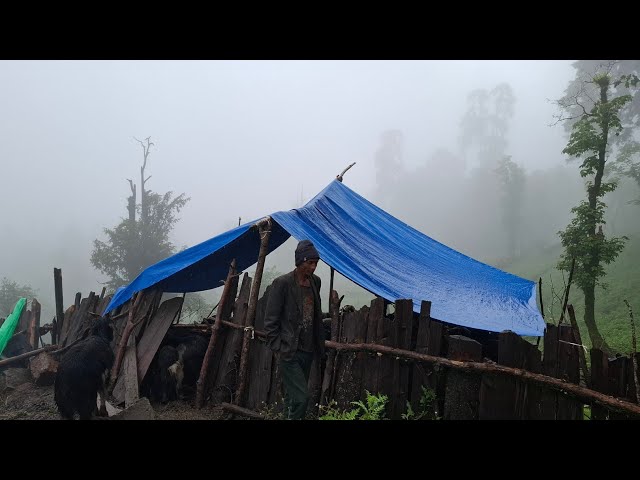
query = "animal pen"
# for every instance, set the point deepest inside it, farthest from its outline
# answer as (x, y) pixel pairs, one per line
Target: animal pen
(474, 374)
(506, 377)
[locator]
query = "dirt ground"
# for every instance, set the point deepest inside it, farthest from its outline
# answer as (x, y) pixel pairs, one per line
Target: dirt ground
(30, 402)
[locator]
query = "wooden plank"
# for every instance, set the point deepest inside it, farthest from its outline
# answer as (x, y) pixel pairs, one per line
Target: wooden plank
(57, 285)
(631, 383)
(33, 334)
(261, 359)
(569, 370)
(462, 395)
(371, 364)
(402, 331)
(130, 373)
(24, 320)
(599, 380)
(347, 387)
(421, 373)
(618, 376)
(550, 368)
(498, 396)
(533, 393)
(385, 362)
(81, 319)
(154, 334)
(225, 380)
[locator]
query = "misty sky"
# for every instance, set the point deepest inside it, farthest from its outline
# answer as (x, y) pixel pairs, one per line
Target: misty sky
(241, 138)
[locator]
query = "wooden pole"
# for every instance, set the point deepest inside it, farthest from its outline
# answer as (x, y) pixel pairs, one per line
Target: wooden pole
(57, 284)
(264, 230)
(241, 411)
(204, 369)
(581, 393)
(566, 293)
(334, 310)
(10, 360)
(124, 339)
(581, 354)
(33, 331)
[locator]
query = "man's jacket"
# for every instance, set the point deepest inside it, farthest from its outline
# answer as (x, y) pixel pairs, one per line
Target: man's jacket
(283, 317)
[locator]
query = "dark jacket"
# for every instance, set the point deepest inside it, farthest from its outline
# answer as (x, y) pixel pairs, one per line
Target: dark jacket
(283, 317)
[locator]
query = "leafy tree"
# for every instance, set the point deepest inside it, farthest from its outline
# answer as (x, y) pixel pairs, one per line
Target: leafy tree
(626, 144)
(590, 140)
(142, 239)
(10, 293)
(513, 178)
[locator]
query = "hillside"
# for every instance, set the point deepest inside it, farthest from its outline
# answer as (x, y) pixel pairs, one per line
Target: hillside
(623, 279)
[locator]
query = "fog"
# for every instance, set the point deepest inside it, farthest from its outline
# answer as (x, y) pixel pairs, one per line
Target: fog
(245, 139)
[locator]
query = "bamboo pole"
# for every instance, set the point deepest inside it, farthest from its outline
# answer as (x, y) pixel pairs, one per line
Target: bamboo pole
(204, 369)
(264, 230)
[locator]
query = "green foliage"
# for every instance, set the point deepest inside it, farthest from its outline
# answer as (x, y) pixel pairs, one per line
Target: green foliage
(194, 308)
(426, 406)
(591, 251)
(583, 238)
(10, 293)
(136, 243)
(622, 277)
(373, 409)
(627, 164)
(269, 274)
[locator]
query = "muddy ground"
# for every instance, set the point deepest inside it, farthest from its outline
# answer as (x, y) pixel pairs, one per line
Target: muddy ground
(30, 402)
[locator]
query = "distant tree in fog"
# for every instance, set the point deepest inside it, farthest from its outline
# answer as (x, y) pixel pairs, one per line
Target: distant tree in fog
(594, 106)
(142, 239)
(10, 293)
(512, 178)
(485, 124)
(388, 161)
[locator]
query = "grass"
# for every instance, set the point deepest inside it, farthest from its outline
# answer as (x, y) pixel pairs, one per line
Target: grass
(612, 316)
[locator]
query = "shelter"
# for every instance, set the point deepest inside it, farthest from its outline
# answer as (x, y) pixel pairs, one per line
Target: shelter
(371, 248)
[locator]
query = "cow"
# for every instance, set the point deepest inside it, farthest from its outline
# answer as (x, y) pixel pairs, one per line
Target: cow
(83, 372)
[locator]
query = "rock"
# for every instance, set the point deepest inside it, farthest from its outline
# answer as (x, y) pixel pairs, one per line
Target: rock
(43, 369)
(140, 410)
(15, 377)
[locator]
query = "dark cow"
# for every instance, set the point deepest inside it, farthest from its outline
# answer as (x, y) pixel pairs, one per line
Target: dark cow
(176, 365)
(191, 351)
(163, 381)
(83, 372)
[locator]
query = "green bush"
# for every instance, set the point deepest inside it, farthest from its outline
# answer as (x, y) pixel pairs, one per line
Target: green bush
(373, 409)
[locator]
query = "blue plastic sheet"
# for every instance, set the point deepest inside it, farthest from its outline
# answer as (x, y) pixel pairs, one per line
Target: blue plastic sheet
(373, 249)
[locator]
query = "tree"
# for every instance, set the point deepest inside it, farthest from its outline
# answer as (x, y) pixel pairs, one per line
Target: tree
(10, 293)
(513, 178)
(486, 123)
(590, 140)
(388, 163)
(135, 243)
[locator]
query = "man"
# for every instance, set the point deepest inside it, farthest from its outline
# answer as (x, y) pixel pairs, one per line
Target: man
(293, 324)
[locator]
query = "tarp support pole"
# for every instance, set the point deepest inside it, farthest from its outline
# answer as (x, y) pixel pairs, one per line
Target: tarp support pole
(204, 369)
(264, 229)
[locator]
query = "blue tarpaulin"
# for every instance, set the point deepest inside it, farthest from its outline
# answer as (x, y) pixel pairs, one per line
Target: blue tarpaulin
(371, 248)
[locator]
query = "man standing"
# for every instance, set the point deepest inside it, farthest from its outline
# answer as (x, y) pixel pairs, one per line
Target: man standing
(293, 324)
